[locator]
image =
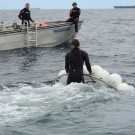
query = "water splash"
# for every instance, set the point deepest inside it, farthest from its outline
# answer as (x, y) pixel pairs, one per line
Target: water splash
(25, 102)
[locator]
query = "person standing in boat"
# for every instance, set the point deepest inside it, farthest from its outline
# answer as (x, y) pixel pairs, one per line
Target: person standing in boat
(74, 16)
(74, 61)
(25, 15)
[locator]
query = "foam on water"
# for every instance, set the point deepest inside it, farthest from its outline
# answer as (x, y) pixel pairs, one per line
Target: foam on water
(28, 102)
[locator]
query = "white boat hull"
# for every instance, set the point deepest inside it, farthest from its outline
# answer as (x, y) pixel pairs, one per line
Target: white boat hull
(50, 36)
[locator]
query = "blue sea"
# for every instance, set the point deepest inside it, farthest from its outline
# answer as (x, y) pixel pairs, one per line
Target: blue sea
(29, 105)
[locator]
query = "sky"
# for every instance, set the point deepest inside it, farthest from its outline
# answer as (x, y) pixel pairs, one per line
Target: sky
(64, 4)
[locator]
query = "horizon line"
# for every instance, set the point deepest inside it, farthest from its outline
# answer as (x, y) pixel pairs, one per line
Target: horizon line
(55, 8)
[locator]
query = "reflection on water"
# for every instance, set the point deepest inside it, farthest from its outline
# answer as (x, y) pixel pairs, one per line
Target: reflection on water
(29, 61)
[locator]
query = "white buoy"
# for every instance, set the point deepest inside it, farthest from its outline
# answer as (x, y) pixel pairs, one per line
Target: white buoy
(96, 68)
(115, 79)
(124, 87)
(62, 72)
(103, 75)
(63, 79)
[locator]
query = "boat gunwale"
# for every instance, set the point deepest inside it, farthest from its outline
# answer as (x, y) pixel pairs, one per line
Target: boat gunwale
(52, 26)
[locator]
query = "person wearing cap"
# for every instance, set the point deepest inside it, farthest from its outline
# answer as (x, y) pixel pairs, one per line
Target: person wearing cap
(74, 16)
(74, 61)
(25, 14)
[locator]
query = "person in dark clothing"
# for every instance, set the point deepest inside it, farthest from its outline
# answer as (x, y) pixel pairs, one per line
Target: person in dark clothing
(74, 16)
(24, 15)
(74, 61)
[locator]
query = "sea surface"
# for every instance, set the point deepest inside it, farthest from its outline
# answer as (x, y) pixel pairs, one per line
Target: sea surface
(29, 105)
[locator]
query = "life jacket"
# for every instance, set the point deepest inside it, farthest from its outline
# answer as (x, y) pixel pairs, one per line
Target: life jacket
(41, 24)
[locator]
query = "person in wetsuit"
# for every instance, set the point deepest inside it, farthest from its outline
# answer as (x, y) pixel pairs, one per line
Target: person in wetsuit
(74, 61)
(74, 16)
(24, 15)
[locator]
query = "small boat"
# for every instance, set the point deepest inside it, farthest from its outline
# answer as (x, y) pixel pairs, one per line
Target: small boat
(48, 34)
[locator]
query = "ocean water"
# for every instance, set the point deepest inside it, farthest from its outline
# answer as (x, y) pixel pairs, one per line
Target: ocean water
(29, 105)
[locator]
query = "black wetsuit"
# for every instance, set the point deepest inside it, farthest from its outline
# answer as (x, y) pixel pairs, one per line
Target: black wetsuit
(74, 17)
(25, 15)
(74, 65)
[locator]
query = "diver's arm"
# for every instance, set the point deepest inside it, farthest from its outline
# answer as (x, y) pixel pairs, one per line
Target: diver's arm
(87, 62)
(31, 18)
(20, 15)
(67, 63)
(71, 13)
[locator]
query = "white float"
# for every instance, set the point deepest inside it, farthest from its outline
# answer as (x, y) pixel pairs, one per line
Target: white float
(124, 87)
(103, 75)
(62, 72)
(115, 79)
(63, 77)
(96, 69)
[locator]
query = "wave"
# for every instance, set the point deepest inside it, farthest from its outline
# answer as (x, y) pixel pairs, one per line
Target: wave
(22, 102)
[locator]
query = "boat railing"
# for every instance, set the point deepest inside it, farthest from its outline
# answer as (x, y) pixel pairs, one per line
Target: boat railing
(24, 27)
(31, 30)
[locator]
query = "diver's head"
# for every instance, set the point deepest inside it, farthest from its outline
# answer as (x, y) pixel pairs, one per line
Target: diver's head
(75, 43)
(74, 5)
(27, 5)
